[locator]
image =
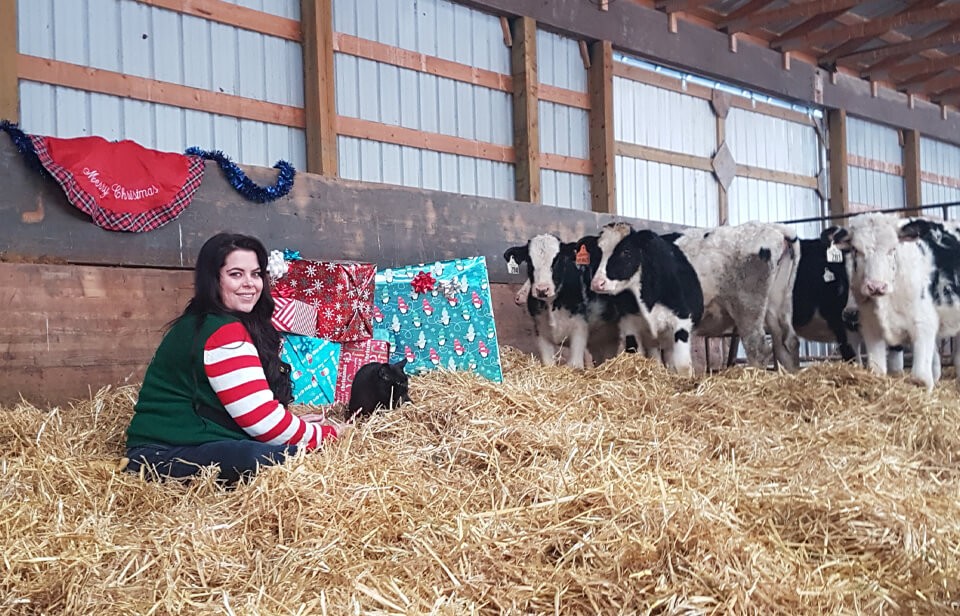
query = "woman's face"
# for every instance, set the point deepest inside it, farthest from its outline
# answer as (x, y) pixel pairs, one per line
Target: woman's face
(241, 281)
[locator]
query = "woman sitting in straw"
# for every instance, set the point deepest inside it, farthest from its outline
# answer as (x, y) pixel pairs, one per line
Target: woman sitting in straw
(216, 391)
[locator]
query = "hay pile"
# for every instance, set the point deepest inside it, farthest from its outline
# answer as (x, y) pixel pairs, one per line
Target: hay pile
(620, 490)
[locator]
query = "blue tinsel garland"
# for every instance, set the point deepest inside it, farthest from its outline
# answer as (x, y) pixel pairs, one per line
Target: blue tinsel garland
(244, 185)
(24, 145)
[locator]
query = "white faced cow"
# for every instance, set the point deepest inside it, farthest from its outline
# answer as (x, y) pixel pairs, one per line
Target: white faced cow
(664, 285)
(905, 277)
(558, 297)
(746, 274)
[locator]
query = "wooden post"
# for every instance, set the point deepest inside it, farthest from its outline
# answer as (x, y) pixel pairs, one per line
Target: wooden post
(839, 176)
(600, 83)
(526, 117)
(319, 99)
(911, 172)
(9, 89)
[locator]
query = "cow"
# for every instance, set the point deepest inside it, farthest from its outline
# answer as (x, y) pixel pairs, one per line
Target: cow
(559, 299)
(663, 283)
(905, 278)
(747, 273)
(821, 295)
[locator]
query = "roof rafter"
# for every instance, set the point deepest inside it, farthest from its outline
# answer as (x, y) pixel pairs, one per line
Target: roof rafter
(791, 11)
(939, 84)
(874, 27)
(948, 97)
(909, 69)
(747, 9)
(908, 48)
(789, 40)
(856, 43)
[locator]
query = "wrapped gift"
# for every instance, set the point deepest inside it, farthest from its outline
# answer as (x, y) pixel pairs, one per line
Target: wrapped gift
(340, 291)
(293, 316)
(313, 367)
(439, 316)
(353, 355)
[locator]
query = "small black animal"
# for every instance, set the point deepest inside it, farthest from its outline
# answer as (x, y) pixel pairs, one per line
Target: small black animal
(377, 385)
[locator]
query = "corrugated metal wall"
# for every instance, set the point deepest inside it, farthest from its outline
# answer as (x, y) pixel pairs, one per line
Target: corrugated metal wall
(775, 144)
(564, 130)
(397, 96)
(650, 116)
(874, 188)
(136, 39)
(942, 161)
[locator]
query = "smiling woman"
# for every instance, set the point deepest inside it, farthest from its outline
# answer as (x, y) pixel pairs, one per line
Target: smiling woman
(216, 391)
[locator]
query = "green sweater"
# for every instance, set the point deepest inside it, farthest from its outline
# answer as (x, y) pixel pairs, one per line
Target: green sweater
(164, 413)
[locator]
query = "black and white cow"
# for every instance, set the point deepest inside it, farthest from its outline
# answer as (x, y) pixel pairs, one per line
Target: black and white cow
(663, 283)
(747, 273)
(905, 277)
(821, 292)
(558, 297)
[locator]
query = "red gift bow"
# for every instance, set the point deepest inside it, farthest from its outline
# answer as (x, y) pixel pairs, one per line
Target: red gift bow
(423, 282)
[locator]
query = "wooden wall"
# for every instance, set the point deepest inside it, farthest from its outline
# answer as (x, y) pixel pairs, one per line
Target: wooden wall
(84, 307)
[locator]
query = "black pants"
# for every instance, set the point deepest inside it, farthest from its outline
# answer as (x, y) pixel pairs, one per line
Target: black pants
(236, 459)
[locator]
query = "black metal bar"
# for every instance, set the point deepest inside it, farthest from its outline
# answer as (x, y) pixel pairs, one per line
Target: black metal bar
(942, 206)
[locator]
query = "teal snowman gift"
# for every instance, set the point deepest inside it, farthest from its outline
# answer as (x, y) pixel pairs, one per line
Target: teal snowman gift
(439, 316)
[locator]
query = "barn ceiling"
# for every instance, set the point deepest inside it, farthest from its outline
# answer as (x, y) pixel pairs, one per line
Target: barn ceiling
(913, 44)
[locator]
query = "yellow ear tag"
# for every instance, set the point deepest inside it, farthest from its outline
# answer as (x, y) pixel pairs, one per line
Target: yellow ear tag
(583, 257)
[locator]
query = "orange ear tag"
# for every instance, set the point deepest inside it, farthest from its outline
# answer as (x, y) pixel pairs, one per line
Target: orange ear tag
(583, 257)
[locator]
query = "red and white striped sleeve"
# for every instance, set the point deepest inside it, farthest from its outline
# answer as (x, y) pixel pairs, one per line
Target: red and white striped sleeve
(234, 370)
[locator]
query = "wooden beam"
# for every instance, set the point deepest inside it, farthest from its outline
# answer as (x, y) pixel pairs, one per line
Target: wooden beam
(603, 188)
(796, 37)
(856, 43)
(319, 83)
(909, 69)
(918, 82)
(746, 10)
(675, 6)
(906, 48)
(786, 13)
(9, 82)
(233, 15)
(55, 72)
(911, 172)
(839, 175)
(945, 81)
(880, 25)
(410, 137)
(948, 97)
(526, 98)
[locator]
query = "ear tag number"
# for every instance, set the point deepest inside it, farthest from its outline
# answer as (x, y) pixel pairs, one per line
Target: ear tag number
(834, 254)
(828, 275)
(512, 266)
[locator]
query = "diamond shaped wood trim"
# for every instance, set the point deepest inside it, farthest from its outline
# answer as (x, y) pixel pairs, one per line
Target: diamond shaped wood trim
(724, 166)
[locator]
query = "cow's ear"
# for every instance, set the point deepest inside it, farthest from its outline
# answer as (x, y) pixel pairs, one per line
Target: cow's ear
(518, 253)
(838, 236)
(914, 230)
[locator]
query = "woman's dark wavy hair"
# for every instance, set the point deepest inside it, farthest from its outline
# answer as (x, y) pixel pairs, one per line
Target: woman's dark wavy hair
(206, 300)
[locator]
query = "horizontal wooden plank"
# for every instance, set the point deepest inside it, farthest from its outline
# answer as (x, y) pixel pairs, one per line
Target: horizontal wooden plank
(404, 58)
(874, 165)
(780, 177)
(569, 164)
(321, 217)
(674, 84)
(233, 15)
(942, 180)
(398, 135)
(666, 157)
(563, 96)
(55, 72)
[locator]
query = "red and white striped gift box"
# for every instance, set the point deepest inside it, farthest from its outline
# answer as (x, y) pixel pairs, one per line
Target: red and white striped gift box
(292, 315)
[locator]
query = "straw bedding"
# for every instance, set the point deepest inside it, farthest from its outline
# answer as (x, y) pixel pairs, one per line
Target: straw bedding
(623, 489)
